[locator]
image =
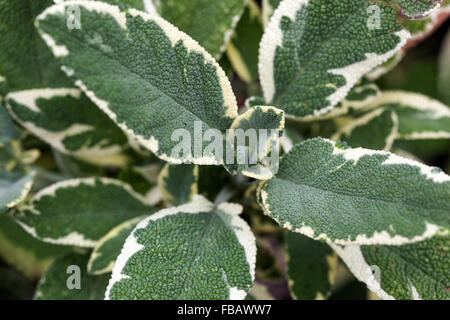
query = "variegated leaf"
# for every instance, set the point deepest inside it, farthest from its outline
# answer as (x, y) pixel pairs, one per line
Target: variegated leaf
(67, 120)
(376, 130)
(412, 271)
(211, 23)
(419, 117)
(80, 212)
(194, 251)
(108, 248)
(178, 183)
(325, 190)
(174, 85)
(314, 51)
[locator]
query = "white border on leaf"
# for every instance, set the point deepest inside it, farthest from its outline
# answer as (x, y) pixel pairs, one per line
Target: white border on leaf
(28, 99)
(273, 37)
(175, 35)
(199, 204)
(354, 259)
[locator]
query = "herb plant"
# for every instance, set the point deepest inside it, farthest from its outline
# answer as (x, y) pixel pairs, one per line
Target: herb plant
(119, 163)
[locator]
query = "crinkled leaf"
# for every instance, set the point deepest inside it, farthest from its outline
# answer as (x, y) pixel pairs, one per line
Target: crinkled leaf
(57, 282)
(178, 183)
(108, 248)
(314, 51)
(417, 8)
(242, 50)
(194, 251)
(175, 83)
(327, 191)
(211, 23)
(413, 271)
(310, 267)
(68, 121)
(80, 211)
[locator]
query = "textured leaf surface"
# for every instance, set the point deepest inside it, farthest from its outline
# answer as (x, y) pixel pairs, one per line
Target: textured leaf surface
(178, 183)
(108, 248)
(413, 271)
(417, 8)
(194, 251)
(314, 51)
(310, 267)
(80, 211)
(21, 250)
(242, 50)
(68, 121)
(169, 81)
(53, 284)
(211, 23)
(359, 196)
(362, 95)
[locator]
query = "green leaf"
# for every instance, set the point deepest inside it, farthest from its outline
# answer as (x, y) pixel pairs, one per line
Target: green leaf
(27, 254)
(80, 212)
(194, 251)
(211, 23)
(144, 179)
(356, 196)
(242, 50)
(420, 117)
(314, 51)
(108, 248)
(14, 187)
(417, 8)
(413, 271)
(175, 83)
(68, 121)
(25, 60)
(397, 115)
(374, 130)
(310, 267)
(54, 284)
(256, 135)
(178, 183)
(359, 97)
